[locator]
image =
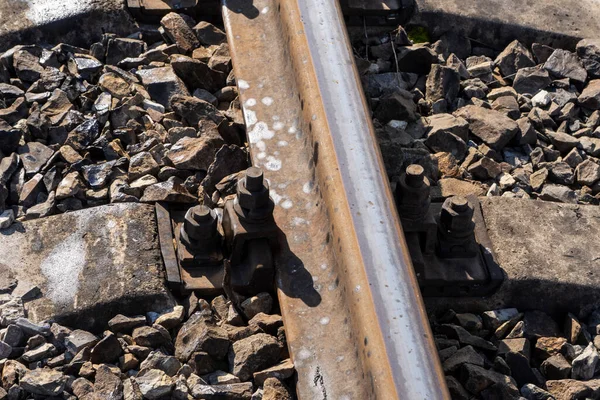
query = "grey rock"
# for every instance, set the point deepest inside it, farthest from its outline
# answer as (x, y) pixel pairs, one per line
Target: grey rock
(169, 191)
(158, 360)
(558, 193)
(514, 57)
(561, 173)
(253, 354)
(476, 379)
(154, 384)
(120, 48)
(556, 367)
(532, 392)
(197, 74)
(590, 97)
(197, 334)
(564, 64)
(261, 303)
(493, 319)
(148, 336)
(208, 34)
(107, 350)
(584, 365)
(531, 80)
(588, 172)
(39, 353)
(43, 382)
(588, 51)
(463, 356)
(80, 339)
(107, 385)
(162, 83)
(443, 83)
(9, 137)
(396, 106)
(492, 127)
(562, 141)
(232, 391)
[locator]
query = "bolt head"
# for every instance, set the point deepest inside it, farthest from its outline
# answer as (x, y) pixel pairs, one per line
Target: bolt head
(415, 175)
(200, 222)
(252, 200)
(457, 215)
(254, 179)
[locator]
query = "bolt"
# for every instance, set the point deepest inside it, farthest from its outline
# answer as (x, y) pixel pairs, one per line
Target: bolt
(414, 175)
(200, 222)
(254, 179)
(201, 213)
(459, 204)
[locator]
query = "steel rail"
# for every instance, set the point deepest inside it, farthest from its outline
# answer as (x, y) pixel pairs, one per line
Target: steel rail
(354, 317)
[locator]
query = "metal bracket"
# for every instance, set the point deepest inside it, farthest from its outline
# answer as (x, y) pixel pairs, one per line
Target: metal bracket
(450, 251)
(195, 241)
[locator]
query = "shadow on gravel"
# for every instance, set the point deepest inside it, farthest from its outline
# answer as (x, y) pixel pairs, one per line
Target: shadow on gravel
(293, 278)
(244, 7)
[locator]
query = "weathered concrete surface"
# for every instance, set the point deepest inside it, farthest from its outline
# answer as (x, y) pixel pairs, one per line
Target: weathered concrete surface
(550, 254)
(90, 264)
(496, 23)
(76, 22)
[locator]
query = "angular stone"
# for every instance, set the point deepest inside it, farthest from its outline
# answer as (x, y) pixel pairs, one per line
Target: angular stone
(561, 173)
(514, 57)
(558, 193)
(282, 371)
(556, 367)
(492, 127)
(564, 64)
(45, 350)
(84, 134)
(228, 159)
(34, 156)
(98, 175)
(466, 355)
(43, 382)
(26, 64)
(9, 138)
(107, 350)
(57, 106)
(476, 379)
(546, 347)
(518, 345)
(562, 141)
(443, 83)
(162, 83)
(493, 319)
(398, 105)
(590, 96)
(70, 186)
(531, 80)
(195, 153)
(197, 334)
(179, 32)
(30, 191)
(142, 164)
(208, 34)
(584, 365)
(447, 142)
(169, 191)
(115, 85)
(450, 123)
(158, 360)
(485, 168)
(569, 389)
(193, 110)
(147, 336)
(520, 369)
(120, 48)
(261, 303)
(154, 384)
(274, 389)
(253, 354)
(107, 384)
(197, 74)
(80, 339)
(233, 391)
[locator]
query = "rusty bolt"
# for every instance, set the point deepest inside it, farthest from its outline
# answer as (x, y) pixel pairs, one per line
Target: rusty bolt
(253, 190)
(254, 179)
(457, 216)
(415, 176)
(200, 222)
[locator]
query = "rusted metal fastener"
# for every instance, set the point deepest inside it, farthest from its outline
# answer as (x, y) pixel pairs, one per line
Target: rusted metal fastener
(253, 203)
(456, 229)
(412, 194)
(199, 225)
(250, 234)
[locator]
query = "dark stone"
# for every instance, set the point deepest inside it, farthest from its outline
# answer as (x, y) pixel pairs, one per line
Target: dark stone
(120, 48)
(197, 74)
(398, 106)
(514, 57)
(531, 80)
(564, 64)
